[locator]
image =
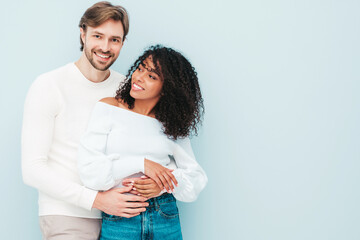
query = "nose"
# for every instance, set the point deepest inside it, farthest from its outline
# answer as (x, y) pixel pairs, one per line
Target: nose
(105, 46)
(140, 76)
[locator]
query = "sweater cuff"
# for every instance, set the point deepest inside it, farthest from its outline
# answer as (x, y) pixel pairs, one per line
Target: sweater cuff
(87, 198)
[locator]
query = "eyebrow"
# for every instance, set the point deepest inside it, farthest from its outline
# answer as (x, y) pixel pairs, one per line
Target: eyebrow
(150, 69)
(99, 33)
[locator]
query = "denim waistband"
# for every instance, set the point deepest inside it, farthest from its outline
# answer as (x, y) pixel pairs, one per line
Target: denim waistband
(166, 197)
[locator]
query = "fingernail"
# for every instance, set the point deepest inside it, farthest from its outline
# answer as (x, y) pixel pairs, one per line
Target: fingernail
(134, 188)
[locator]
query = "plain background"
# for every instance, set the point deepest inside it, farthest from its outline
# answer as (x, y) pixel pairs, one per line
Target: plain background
(280, 79)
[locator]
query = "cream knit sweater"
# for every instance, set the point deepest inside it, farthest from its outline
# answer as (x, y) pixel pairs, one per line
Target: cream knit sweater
(56, 113)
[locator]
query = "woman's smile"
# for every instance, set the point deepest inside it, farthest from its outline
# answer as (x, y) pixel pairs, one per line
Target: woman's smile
(137, 87)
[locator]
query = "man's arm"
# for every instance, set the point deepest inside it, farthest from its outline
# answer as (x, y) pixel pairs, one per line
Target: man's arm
(114, 202)
(41, 107)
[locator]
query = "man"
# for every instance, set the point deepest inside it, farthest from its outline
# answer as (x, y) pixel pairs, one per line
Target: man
(57, 109)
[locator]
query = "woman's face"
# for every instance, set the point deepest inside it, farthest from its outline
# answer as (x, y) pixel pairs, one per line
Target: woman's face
(146, 82)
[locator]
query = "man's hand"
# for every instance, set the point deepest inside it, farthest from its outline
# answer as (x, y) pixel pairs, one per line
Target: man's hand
(161, 175)
(115, 202)
(143, 186)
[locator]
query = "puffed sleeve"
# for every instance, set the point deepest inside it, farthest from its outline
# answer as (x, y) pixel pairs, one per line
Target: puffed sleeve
(98, 170)
(190, 176)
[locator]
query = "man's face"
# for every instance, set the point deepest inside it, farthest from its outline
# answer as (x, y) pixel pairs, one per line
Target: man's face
(102, 44)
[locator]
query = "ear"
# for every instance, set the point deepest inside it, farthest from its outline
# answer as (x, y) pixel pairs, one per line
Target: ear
(82, 34)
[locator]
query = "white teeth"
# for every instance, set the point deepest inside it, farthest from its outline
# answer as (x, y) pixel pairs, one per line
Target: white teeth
(137, 86)
(103, 56)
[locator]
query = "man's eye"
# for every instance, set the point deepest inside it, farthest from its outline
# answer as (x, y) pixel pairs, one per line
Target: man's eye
(96, 36)
(115, 40)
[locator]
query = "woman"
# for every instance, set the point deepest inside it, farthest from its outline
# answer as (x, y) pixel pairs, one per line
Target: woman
(154, 111)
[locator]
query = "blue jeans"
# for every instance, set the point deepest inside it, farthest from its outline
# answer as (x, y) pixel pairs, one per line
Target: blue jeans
(160, 221)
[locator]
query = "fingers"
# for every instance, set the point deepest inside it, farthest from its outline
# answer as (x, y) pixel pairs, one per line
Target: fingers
(126, 215)
(151, 185)
(133, 198)
(173, 179)
(159, 181)
(131, 180)
(169, 180)
(124, 189)
(136, 206)
(132, 211)
(160, 174)
(145, 191)
(165, 182)
(144, 181)
(127, 182)
(150, 195)
(134, 192)
(164, 179)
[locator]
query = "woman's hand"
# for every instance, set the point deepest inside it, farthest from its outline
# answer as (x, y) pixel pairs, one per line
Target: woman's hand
(143, 186)
(161, 175)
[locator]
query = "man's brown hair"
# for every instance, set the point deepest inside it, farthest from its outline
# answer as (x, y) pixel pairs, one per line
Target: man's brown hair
(99, 13)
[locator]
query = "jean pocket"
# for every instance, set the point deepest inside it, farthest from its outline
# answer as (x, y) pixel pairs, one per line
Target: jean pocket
(168, 209)
(109, 217)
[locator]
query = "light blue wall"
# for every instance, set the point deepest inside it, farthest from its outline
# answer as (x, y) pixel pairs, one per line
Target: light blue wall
(280, 79)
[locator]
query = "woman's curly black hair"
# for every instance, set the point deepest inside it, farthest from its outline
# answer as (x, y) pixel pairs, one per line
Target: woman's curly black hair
(180, 107)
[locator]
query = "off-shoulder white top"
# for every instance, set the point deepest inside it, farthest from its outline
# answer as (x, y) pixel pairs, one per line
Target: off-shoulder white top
(116, 143)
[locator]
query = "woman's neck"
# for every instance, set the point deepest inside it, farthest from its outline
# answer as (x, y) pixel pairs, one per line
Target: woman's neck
(144, 107)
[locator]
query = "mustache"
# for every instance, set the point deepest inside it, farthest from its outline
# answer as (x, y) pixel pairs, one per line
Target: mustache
(102, 52)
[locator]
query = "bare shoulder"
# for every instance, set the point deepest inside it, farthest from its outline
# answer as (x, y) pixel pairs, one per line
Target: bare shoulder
(113, 101)
(110, 100)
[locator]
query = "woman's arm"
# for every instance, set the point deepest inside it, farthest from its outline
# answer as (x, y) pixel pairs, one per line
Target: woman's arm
(98, 170)
(191, 177)
(95, 168)
(146, 186)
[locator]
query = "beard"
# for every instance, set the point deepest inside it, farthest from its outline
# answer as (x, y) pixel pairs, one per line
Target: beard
(101, 66)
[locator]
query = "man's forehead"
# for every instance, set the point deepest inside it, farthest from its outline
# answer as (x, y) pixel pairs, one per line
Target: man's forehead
(109, 28)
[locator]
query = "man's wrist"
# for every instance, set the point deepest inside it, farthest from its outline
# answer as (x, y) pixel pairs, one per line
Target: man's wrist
(97, 200)
(87, 198)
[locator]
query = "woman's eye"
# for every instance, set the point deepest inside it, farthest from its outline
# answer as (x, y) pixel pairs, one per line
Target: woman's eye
(152, 77)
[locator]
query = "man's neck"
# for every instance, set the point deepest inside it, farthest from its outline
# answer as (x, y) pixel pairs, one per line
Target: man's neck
(91, 73)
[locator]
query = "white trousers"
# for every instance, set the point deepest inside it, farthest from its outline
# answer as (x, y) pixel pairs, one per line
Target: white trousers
(57, 227)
